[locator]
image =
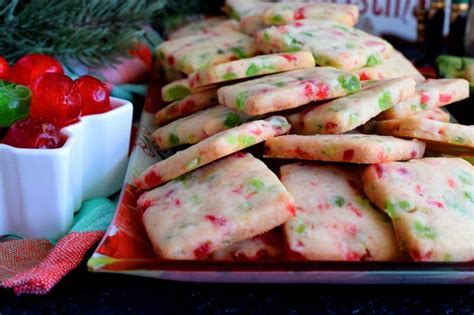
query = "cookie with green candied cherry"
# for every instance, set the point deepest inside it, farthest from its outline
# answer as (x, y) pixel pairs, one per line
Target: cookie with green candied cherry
(349, 112)
(186, 106)
(284, 13)
(395, 66)
(348, 148)
(215, 147)
(429, 94)
(444, 137)
(198, 126)
(288, 90)
(192, 53)
(334, 219)
(215, 25)
(332, 44)
(179, 89)
(251, 67)
(431, 204)
(223, 203)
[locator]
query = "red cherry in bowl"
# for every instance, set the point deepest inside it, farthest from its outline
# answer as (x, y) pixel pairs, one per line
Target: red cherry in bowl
(55, 99)
(32, 133)
(95, 96)
(4, 69)
(30, 66)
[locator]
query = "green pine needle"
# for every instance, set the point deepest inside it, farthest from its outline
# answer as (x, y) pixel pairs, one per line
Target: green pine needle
(94, 32)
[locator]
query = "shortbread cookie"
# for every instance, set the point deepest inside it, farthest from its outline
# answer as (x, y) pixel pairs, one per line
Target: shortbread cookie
(211, 149)
(440, 136)
(186, 106)
(214, 207)
(251, 67)
(395, 66)
(261, 247)
(192, 53)
(429, 94)
(198, 126)
(350, 148)
(211, 26)
(431, 204)
(334, 220)
(347, 113)
(332, 44)
(288, 90)
(249, 13)
(284, 13)
(386, 127)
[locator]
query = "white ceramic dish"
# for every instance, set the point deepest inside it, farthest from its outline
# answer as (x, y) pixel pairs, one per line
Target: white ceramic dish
(41, 189)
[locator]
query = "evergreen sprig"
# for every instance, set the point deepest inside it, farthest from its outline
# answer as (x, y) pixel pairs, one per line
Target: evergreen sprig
(94, 32)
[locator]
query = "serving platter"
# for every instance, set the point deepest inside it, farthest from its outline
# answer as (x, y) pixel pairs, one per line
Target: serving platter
(126, 249)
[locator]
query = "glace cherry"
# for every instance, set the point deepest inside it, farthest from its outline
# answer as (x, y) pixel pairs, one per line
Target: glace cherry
(33, 133)
(4, 69)
(29, 67)
(95, 96)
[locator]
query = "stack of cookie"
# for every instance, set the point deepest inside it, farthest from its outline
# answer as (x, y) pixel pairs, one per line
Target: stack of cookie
(300, 78)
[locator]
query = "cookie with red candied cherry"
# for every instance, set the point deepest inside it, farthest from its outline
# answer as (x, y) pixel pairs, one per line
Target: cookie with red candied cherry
(288, 90)
(395, 66)
(192, 53)
(216, 25)
(334, 220)
(429, 94)
(198, 126)
(431, 204)
(251, 67)
(349, 148)
(261, 247)
(440, 136)
(215, 147)
(332, 44)
(214, 207)
(186, 106)
(284, 13)
(347, 113)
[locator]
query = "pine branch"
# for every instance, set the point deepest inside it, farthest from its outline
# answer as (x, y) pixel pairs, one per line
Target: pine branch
(94, 32)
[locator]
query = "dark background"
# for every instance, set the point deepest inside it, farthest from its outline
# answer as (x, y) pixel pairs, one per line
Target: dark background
(90, 293)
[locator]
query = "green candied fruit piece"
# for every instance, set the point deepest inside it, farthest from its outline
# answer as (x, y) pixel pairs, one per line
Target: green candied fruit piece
(374, 59)
(469, 196)
(448, 257)
(246, 141)
(300, 228)
(413, 107)
(341, 27)
(466, 178)
(340, 201)
(391, 210)
(277, 18)
(161, 55)
(266, 37)
(351, 84)
(196, 200)
(173, 139)
(194, 163)
(457, 140)
(252, 70)
(385, 101)
(238, 52)
(240, 99)
(229, 76)
(423, 106)
(354, 119)
(232, 120)
(256, 183)
(292, 44)
(177, 92)
(231, 139)
(424, 231)
(14, 103)
(405, 205)
(279, 84)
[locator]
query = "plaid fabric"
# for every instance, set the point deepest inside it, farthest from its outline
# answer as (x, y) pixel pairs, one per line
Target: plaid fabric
(35, 266)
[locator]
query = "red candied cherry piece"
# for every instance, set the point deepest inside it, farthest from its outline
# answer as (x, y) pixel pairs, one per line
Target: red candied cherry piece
(56, 99)
(32, 133)
(95, 96)
(4, 69)
(31, 66)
